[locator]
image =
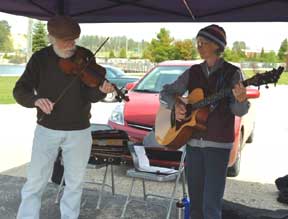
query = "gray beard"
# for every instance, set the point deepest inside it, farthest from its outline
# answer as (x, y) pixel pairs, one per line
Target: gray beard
(65, 54)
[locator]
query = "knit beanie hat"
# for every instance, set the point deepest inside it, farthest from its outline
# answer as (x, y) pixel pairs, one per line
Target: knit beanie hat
(63, 27)
(214, 33)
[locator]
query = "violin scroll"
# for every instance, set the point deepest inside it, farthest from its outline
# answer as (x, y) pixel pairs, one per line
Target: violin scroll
(121, 95)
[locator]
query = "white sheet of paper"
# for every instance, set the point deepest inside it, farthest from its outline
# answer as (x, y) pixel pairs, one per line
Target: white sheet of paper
(144, 164)
(142, 157)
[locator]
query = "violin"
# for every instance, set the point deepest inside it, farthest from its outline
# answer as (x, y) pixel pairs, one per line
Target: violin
(89, 72)
(83, 66)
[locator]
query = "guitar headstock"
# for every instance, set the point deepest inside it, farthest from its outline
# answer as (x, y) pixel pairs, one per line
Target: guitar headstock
(267, 77)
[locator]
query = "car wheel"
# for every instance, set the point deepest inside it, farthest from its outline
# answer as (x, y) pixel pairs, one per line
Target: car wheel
(110, 97)
(234, 170)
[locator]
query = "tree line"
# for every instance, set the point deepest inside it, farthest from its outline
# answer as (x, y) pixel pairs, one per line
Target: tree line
(162, 47)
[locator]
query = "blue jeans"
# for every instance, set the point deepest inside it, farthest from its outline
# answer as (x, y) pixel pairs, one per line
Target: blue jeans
(76, 148)
(206, 170)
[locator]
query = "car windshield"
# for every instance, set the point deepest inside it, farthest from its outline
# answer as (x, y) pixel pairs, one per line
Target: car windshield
(158, 77)
(112, 72)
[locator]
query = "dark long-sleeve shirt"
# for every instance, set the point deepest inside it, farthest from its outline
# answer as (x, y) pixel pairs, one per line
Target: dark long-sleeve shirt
(43, 78)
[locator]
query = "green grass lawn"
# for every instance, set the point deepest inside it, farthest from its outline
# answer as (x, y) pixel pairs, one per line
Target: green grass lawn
(6, 87)
(7, 84)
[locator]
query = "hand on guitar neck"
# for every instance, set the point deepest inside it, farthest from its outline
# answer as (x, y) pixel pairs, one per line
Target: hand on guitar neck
(239, 92)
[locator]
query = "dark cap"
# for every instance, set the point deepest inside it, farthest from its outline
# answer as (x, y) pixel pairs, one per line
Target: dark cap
(63, 27)
(214, 33)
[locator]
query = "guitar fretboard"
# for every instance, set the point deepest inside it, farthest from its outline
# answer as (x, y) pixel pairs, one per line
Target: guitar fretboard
(257, 80)
(211, 99)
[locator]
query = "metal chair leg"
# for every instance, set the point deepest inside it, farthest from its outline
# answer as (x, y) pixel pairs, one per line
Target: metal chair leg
(144, 190)
(173, 194)
(102, 188)
(112, 180)
(184, 182)
(128, 198)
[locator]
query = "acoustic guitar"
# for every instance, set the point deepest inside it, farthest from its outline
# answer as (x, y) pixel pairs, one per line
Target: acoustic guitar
(174, 134)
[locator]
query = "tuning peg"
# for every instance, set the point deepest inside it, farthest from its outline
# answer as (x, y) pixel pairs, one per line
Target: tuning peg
(118, 99)
(266, 86)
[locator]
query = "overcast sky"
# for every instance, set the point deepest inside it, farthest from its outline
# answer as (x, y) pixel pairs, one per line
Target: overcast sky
(255, 35)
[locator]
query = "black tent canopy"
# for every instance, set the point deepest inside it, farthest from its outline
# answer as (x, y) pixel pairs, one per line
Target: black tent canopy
(96, 11)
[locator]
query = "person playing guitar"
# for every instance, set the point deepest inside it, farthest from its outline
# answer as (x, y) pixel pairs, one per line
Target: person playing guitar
(208, 149)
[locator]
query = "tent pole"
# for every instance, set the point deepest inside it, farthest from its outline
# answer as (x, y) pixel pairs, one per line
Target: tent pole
(189, 10)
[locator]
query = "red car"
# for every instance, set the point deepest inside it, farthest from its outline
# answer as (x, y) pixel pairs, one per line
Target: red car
(137, 117)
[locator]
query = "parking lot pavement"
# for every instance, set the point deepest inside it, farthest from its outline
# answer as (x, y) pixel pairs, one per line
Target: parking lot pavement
(264, 160)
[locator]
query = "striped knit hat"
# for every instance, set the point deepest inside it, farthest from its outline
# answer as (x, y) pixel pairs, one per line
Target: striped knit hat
(214, 33)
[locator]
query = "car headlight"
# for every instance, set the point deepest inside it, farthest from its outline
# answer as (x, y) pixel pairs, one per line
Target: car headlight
(117, 115)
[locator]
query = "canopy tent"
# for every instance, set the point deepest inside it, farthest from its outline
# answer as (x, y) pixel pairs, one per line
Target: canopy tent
(93, 11)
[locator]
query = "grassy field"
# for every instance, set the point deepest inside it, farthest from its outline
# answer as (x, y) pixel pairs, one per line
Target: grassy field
(7, 84)
(6, 87)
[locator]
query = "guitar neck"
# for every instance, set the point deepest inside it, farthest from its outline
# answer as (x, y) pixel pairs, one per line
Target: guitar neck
(212, 99)
(257, 80)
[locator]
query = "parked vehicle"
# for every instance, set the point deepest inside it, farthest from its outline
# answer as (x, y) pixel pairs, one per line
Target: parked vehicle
(137, 117)
(118, 77)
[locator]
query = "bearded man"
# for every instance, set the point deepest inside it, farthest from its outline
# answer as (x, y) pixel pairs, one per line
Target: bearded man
(63, 124)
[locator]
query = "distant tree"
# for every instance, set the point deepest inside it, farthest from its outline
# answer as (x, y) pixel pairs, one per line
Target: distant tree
(239, 51)
(283, 50)
(114, 43)
(39, 37)
(6, 44)
(161, 48)
(185, 50)
(269, 57)
(147, 54)
(122, 53)
(92, 42)
(230, 55)
(111, 54)
(239, 46)
(262, 54)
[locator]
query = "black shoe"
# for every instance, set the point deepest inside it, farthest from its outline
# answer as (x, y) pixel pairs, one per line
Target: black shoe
(283, 196)
(282, 183)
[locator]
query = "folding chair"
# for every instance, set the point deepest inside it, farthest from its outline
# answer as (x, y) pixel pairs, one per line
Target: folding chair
(136, 173)
(91, 164)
